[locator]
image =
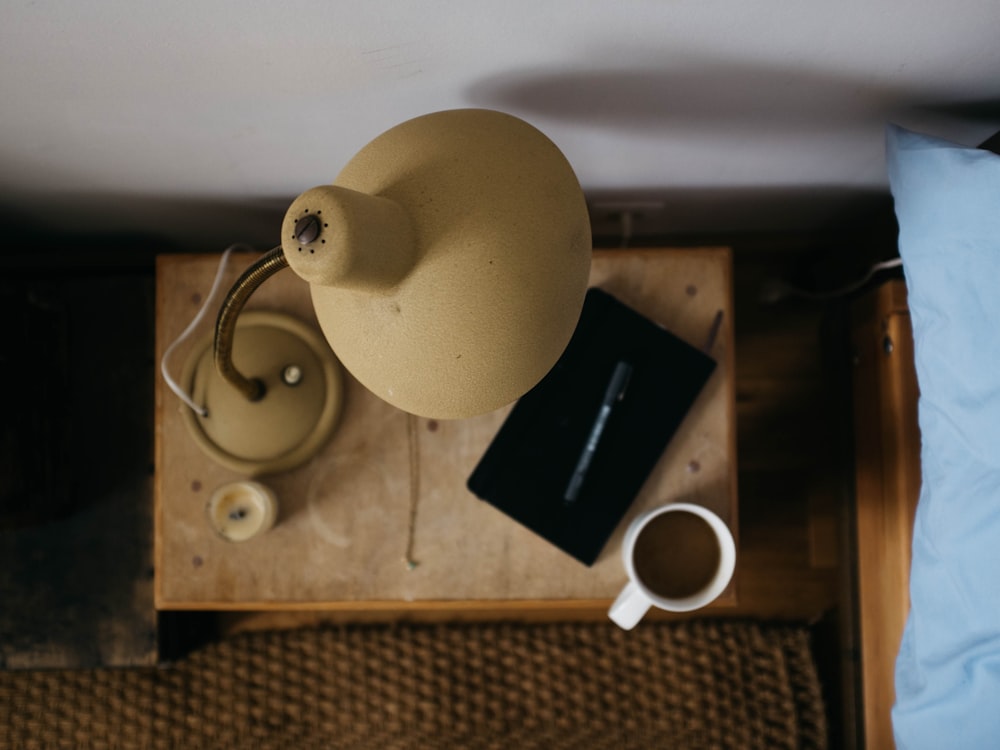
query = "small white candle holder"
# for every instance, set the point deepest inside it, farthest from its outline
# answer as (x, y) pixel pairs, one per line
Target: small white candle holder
(240, 511)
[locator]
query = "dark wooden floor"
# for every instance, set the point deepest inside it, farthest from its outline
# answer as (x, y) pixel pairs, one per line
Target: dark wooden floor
(791, 460)
(76, 366)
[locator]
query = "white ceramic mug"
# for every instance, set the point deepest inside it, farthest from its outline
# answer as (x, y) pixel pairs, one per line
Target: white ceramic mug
(678, 570)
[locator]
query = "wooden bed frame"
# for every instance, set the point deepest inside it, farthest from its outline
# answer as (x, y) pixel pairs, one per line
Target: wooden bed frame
(887, 485)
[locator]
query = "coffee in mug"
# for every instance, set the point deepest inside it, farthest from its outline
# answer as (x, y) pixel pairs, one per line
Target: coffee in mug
(676, 554)
(678, 557)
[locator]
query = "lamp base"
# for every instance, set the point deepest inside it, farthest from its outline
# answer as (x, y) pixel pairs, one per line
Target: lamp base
(300, 408)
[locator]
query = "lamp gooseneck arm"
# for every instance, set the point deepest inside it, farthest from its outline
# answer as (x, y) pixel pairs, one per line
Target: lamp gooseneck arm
(225, 326)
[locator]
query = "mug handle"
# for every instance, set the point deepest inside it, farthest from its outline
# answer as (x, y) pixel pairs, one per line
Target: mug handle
(629, 607)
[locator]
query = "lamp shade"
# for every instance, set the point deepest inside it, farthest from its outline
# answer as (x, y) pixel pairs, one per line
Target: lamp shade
(448, 261)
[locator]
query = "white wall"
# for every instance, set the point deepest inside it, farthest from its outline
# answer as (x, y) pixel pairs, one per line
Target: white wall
(128, 113)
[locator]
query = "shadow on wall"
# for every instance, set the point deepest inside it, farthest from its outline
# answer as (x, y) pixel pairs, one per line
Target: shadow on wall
(719, 98)
(736, 103)
(708, 215)
(92, 231)
(728, 99)
(89, 231)
(109, 224)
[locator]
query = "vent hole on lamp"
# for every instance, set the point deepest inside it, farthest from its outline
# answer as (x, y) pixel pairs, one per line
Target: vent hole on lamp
(311, 250)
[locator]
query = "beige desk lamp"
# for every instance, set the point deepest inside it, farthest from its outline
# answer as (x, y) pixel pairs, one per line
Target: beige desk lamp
(447, 265)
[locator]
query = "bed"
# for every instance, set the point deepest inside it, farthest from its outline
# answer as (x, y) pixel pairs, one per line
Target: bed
(927, 436)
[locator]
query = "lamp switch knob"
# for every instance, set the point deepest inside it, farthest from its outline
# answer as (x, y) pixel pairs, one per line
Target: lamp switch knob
(307, 229)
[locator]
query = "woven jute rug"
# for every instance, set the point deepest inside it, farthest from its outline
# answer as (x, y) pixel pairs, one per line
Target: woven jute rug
(704, 684)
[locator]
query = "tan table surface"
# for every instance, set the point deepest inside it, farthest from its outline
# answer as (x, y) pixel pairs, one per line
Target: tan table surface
(342, 528)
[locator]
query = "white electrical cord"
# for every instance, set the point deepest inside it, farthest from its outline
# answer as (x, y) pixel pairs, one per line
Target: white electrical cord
(192, 326)
(775, 289)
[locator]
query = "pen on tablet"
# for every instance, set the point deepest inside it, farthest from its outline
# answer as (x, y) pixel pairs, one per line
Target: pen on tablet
(612, 395)
(713, 333)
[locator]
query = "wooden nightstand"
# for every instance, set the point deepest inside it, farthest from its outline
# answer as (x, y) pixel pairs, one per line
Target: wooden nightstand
(343, 526)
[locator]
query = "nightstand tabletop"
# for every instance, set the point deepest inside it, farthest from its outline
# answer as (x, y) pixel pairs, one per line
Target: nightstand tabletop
(344, 518)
